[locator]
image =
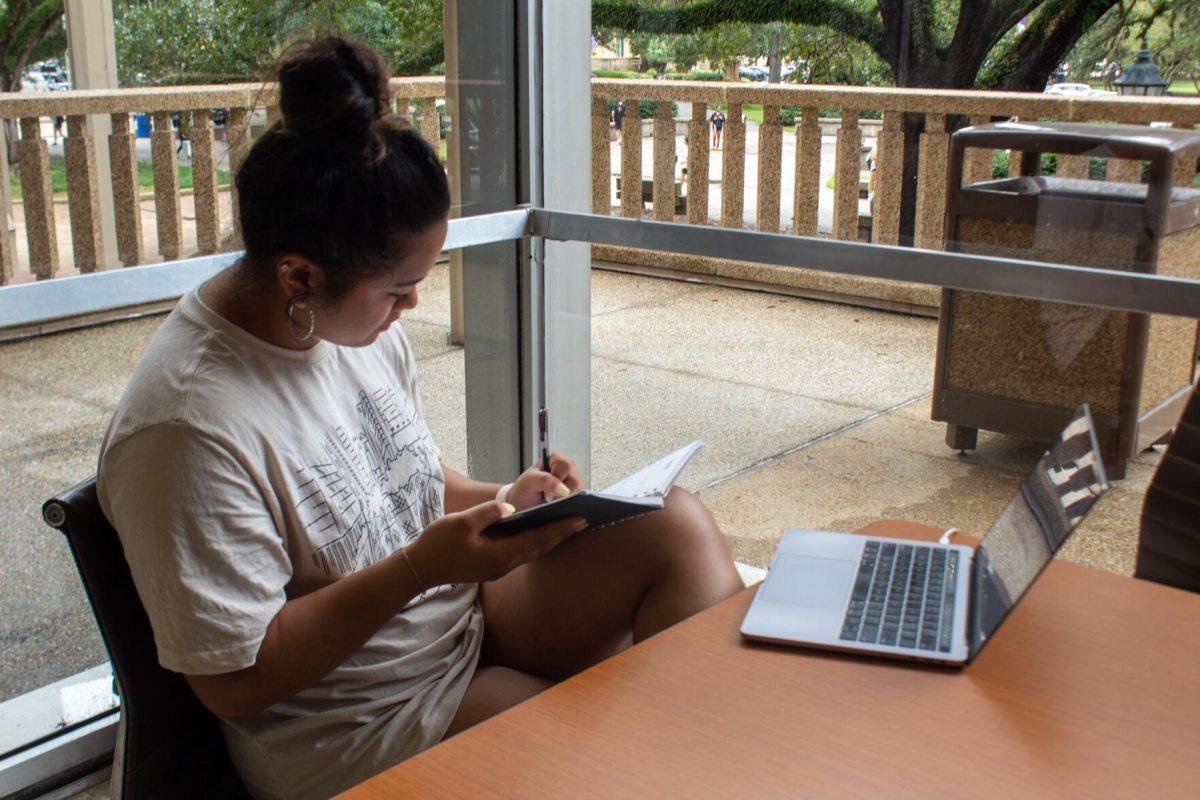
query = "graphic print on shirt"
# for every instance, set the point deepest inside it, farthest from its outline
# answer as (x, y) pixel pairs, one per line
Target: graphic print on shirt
(376, 487)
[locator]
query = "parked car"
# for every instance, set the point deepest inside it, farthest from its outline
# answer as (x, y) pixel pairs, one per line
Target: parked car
(753, 73)
(1076, 90)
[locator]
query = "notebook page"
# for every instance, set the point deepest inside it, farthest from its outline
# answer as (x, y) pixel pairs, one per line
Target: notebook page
(656, 479)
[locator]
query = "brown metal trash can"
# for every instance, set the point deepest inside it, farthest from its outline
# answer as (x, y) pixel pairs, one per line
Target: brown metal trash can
(1021, 367)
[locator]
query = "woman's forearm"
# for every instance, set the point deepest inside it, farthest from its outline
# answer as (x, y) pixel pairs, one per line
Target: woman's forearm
(309, 637)
(463, 492)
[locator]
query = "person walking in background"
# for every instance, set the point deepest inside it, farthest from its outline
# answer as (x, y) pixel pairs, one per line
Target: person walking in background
(618, 115)
(717, 120)
(58, 127)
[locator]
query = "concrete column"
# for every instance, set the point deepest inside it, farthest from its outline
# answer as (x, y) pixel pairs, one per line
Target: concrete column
(82, 191)
(977, 163)
(770, 157)
(697, 180)
(846, 175)
(631, 160)
(8, 270)
(1068, 166)
(733, 168)
(807, 190)
(92, 54)
(664, 162)
(889, 176)
(601, 158)
(931, 183)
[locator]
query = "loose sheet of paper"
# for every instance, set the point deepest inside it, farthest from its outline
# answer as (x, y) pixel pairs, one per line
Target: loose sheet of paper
(656, 479)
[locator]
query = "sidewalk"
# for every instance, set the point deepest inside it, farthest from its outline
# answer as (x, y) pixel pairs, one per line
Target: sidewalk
(813, 414)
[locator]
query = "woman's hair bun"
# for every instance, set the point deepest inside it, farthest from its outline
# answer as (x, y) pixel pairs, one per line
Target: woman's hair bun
(332, 92)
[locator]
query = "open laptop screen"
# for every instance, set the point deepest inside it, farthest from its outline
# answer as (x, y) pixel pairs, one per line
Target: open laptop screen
(1064, 486)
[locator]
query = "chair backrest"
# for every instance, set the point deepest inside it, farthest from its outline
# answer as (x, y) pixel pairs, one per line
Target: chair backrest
(1169, 545)
(172, 745)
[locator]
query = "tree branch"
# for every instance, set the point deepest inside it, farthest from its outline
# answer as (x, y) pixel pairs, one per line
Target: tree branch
(839, 15)
(46, 25)
(1043, 45)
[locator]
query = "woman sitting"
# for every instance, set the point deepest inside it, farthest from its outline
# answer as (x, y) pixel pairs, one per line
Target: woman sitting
(306, 561)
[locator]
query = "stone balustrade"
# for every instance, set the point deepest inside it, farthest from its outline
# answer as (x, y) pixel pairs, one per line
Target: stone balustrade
(938, 107)
(251, 106)
(248, 107)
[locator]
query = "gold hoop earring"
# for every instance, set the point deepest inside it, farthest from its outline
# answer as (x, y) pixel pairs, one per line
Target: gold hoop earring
(289, 312)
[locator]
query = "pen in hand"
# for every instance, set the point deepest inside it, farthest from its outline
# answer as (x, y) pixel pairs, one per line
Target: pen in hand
(543, 439)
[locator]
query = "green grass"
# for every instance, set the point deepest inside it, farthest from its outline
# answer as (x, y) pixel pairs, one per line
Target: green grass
(1181, 87)
(754, 113)
(58, 178)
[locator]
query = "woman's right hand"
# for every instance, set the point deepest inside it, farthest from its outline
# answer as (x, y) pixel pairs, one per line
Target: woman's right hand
(454, 549)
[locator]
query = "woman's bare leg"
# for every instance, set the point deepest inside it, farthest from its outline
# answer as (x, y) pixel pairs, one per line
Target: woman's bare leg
(601, 590)
(492, 690)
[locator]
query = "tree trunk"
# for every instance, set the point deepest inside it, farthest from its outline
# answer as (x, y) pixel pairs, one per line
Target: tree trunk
(774, 44)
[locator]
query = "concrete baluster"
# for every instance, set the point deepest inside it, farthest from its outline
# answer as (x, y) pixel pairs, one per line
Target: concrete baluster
(601, 158)
(770, 161)
(631, 161)
(977, 161)
(8, 262)
(931, 183)
(122, 155)
(664, 161)
(846, 176)
(807, 190)
(431, 126)
(697, 180)
(237, 137)
(889, 180)
(40, 229)
(83, 195)
(733, 168)
(1124, 170)
(166, 187)
(1185, 169)
(204, 181)
(1071, 167)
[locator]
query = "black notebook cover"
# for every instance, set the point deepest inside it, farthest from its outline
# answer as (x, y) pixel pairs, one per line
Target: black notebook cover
(597, 509)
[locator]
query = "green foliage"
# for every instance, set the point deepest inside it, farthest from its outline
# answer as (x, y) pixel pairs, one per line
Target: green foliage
(1049, 164)
(615, 73)
(163, 42)
(951, 44)
(647, 109)
(705, 75)
(29, 32)
(58, 177)
(1171, 29)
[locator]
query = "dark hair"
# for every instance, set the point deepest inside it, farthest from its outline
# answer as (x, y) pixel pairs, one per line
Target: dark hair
(337, 179)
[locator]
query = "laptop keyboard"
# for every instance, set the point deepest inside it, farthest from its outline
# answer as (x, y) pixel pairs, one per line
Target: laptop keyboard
(903, 596)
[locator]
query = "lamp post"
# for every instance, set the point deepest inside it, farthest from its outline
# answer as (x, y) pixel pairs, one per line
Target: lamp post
(1142, 77)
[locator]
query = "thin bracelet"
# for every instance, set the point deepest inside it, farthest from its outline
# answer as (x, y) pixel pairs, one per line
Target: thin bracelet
(413, 570)
(502, 495)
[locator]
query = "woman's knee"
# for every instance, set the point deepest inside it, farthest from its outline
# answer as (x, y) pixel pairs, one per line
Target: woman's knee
(689, 523)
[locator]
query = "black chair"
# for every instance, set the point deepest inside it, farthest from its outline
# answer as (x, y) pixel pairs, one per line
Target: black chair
(1169, 544)
(168, 744)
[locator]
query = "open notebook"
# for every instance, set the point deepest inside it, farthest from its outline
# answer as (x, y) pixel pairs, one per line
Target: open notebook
(641, 492)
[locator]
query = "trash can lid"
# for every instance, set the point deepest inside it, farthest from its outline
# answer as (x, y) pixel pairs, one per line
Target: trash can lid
(1080, 138)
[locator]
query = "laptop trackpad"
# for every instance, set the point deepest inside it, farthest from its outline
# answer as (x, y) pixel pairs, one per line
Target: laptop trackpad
(809, 581)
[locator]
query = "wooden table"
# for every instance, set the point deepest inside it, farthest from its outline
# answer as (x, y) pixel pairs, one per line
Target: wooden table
(1091, 689)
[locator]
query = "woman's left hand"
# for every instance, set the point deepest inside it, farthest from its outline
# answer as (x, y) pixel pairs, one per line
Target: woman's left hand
(534, 486)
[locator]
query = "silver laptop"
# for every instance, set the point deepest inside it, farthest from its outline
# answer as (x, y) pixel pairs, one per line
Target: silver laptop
(927, 601)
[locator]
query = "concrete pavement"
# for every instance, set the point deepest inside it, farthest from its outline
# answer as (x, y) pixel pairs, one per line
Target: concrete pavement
(814, 415)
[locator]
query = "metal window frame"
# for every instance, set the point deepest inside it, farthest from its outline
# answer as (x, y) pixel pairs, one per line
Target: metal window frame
(44, 301)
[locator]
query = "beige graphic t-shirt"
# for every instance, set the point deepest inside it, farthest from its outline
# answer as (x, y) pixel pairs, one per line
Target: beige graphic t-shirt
(240, 475)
